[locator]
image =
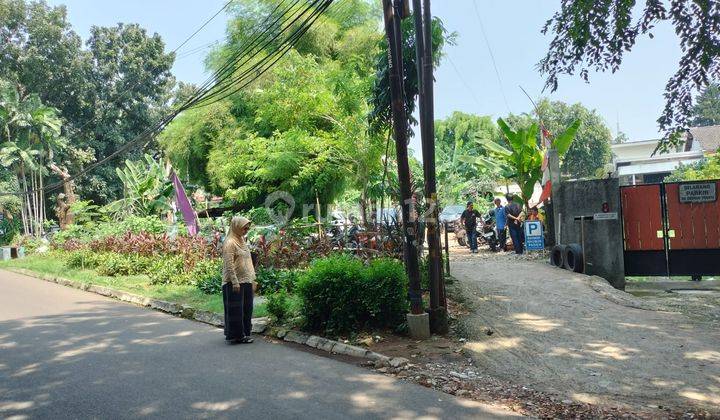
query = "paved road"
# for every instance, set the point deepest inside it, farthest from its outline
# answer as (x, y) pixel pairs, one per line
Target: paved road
(65, 353)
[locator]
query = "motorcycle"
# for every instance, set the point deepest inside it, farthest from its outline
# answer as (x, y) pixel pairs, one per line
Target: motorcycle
(487, 234)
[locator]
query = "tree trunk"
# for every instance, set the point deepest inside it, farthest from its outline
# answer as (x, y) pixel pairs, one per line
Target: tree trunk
(23, 214)
(27, 199)
(33, 186)
(363, 207)
(41, 193)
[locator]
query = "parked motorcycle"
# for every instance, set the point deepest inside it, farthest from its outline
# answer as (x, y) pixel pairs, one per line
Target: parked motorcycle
(487, 234)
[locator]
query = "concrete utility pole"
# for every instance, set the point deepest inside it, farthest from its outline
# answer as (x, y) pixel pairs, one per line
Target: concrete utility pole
(418, 320)
(423, 49)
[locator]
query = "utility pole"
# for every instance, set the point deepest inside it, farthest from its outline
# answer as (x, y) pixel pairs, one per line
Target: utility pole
(418, 320)
(423, 50)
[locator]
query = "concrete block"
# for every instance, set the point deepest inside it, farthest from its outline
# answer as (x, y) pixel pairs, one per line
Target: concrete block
(348, 350)
(326, 345)
(313, 341)
(209, 318)
(419, 326)
(169, 307)
(259, 325)
(296, 337)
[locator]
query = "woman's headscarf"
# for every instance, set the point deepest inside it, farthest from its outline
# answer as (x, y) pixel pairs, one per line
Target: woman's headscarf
(236, 226)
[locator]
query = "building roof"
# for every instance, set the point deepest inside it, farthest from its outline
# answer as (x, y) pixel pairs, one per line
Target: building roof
(707, 137)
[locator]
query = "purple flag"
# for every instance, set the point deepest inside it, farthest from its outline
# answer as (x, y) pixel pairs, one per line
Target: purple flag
(183, 203)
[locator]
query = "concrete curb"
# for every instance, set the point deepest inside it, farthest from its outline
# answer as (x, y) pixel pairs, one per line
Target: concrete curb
(259, 325)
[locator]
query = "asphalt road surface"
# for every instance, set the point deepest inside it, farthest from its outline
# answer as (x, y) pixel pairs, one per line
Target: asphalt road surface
(65, 353)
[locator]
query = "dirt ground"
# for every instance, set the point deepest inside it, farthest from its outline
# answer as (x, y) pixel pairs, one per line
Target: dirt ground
(574, 336)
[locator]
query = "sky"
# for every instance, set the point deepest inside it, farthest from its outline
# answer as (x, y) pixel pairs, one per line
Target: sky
(466, 80)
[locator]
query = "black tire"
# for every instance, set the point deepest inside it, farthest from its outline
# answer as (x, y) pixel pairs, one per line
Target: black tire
(574, 258)
(557, 257)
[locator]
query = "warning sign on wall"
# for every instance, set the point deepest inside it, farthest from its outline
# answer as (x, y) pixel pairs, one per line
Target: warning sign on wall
(698, 192)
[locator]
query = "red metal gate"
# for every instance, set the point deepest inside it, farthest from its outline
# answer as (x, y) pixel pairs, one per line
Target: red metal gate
(671, 229)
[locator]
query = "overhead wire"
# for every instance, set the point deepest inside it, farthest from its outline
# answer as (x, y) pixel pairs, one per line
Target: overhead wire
(218, 78)
(247, 77)
(492, 55)
(462, 79)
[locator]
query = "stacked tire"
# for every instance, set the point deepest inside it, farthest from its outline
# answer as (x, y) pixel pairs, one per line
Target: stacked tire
(569, 257)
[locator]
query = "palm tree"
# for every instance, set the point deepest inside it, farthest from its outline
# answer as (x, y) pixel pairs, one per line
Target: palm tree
(30, 137)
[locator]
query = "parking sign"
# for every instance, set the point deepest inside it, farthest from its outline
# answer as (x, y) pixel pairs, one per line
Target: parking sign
(534, 239)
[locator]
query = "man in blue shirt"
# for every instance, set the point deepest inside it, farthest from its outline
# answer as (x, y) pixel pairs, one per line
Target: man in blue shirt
(501, 224)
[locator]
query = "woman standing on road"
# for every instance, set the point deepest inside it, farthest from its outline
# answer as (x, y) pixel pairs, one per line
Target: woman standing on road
(238, 283)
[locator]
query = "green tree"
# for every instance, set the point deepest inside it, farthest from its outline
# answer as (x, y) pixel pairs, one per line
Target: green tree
(596, 35)
(707, 107)
(107, 92)
(589, 151)
(301, 128)
(455, 137)
(708, 168)
(381, 114)
(147, 190)
(29, 137)
(522, 160)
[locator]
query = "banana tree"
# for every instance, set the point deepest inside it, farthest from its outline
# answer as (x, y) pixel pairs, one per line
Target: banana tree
(522, 162)
(147, 190)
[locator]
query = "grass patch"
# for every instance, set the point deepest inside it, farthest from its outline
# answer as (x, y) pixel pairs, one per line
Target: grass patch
(139, 285)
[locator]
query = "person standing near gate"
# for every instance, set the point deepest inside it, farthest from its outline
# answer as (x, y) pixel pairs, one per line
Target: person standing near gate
(501, 224)
(514, 221)
(469, 220)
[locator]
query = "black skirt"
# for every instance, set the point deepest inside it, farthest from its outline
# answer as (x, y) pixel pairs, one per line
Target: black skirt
(238, 311)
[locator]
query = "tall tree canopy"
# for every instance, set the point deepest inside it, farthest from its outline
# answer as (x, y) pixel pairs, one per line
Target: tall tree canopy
(301, 128)
(455, 137)
(590, 150)
(107, 91)
(707, 109)
(596, 34)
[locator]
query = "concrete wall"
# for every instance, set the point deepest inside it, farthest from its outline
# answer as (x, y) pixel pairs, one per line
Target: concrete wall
(603, 238)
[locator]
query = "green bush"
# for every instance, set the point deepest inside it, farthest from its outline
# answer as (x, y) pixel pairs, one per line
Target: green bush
(278, 305)
(339, 294)
(331, 295)
(112, 264)
(76, 232)
(271, 280)
(207, 275)
(384, 293)
(82, 259)
(169, 270)
(132, 224)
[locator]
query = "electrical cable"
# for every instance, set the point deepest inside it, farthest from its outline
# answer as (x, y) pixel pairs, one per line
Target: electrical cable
(149, 133)
(492, 56)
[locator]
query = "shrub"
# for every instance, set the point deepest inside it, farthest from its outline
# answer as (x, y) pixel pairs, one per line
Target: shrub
(207, 275)
(330, 293)
(169, 270)
(271, 280)
(70, 234)
(82, 259)
(278, 305)
(111, 264)
(384, 293)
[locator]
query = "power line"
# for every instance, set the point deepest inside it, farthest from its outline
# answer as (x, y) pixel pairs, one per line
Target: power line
(218, 78)
(462, 79)
(492, 56)
(207, 22)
